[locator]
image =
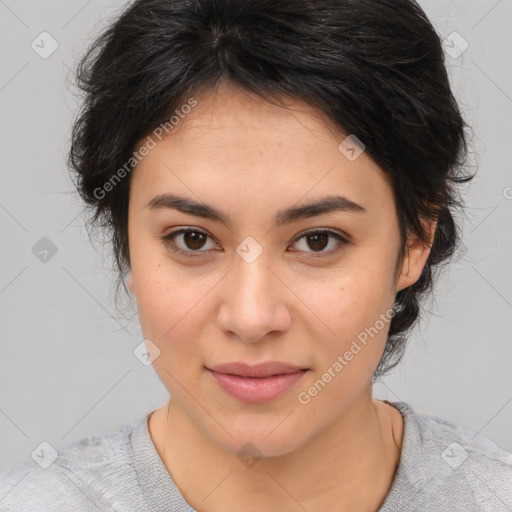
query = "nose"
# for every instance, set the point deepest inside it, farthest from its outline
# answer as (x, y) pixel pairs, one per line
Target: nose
(254, 301)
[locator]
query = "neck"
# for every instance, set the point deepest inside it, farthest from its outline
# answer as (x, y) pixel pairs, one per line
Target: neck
(349, 467)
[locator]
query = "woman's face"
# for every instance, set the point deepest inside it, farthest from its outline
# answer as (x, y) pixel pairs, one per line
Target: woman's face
(253, 289)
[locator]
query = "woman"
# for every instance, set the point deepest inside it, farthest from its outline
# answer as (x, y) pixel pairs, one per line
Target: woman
(278, 179)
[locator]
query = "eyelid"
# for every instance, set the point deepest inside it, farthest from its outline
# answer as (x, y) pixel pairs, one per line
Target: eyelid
(343, 240)
(168, 239)
(344, 236)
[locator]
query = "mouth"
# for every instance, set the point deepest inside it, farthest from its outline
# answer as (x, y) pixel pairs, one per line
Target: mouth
(256, 384)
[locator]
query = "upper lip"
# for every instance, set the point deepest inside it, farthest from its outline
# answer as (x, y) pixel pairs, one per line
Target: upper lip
(260, 370)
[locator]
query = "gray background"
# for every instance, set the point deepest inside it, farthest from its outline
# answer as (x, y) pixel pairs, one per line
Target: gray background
(67, 367)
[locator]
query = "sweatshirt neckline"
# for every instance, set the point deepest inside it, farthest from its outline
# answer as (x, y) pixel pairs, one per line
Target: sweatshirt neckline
(161, 492)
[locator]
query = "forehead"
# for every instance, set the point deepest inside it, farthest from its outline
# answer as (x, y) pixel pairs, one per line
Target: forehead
(231, 115)
(236, 140)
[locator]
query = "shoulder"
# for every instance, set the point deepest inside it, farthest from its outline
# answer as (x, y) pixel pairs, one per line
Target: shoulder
(461, 447)
(85, 475)
(451, 467)
(28, 487)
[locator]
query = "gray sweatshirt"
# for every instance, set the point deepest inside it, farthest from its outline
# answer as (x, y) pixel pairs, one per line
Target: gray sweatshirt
(443, 468)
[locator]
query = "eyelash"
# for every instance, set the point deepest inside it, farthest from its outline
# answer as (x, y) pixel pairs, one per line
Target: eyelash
(168, 240)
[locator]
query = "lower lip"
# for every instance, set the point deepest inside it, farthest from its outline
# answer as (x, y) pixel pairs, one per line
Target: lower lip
(257, 390)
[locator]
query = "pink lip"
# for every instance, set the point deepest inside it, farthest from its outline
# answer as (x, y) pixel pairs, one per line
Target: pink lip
(256, 384)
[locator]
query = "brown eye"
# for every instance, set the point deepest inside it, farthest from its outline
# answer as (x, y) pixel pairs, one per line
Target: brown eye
(190, 242)
(318, 240)
(186, 241)
(194, 239)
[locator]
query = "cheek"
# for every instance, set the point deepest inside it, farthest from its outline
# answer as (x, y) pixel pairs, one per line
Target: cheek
(167, 308)
(164, 295)
(355, 307)
(170, 316)
(347, 359)
(354, 300)
(174, 310)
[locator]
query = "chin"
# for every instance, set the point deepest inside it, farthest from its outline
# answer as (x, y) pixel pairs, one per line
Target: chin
(268, 438)
(258, 445)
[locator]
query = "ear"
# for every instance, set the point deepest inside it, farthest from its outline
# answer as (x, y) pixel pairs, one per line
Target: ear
(131, 286)
(416, 256)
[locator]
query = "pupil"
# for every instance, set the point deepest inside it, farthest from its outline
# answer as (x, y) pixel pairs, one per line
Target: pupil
(315, 239)
(193, 240)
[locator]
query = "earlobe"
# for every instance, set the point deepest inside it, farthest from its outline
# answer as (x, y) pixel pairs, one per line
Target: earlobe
(416, 257)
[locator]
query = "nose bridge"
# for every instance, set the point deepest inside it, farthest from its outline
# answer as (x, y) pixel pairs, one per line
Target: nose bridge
(253, 278)
(252, 304)
(251, 271)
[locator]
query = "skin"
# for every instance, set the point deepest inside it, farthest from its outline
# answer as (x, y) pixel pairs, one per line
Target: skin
(250, 158)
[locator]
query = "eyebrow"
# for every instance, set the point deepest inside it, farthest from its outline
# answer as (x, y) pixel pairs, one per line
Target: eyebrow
(320, 206)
